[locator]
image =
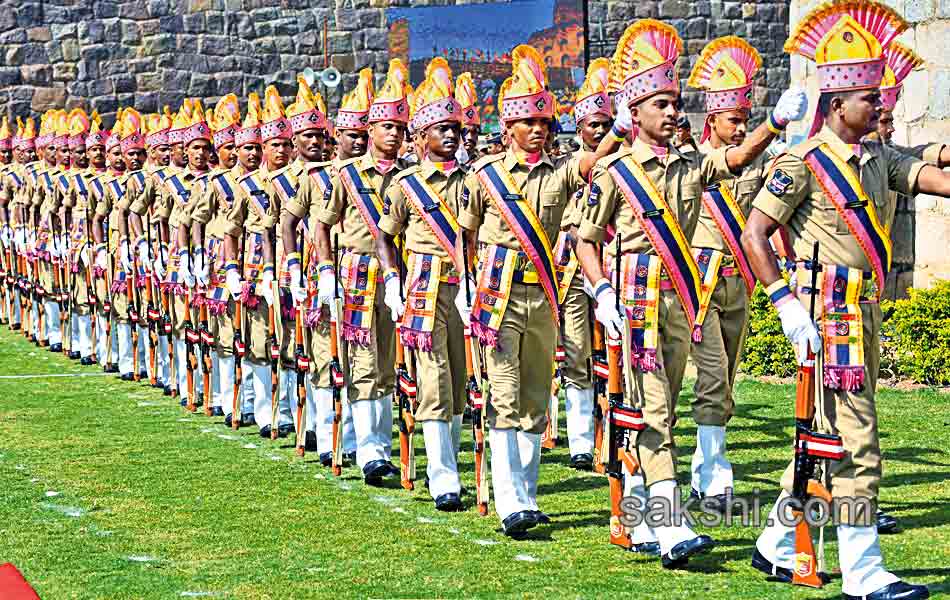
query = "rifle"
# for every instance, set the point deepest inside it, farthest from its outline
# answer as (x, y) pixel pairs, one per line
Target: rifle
(301, 362)
(151, 312)
(66, 324)
(107, 306)
(337, 380)
(406, 392)
(93, 297)
(601, 372)
(166, 323)
(550, 435)
(59, 280)
(476, 402)
(207, 340)
(622, 419)
(191, 338)
(239, 350)
(132, 311)
(810, 447)
(274, 350)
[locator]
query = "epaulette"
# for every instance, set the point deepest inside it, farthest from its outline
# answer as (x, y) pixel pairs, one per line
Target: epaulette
(272, 174)
(350, 161)
(804, 149)
(405, 172)
(486, 160)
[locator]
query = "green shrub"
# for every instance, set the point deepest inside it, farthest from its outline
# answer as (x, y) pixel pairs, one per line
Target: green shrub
(767, 351)
(915, 337)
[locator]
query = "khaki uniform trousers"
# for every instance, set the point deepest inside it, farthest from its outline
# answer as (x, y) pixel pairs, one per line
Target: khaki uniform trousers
(317, 343)
(576, 339)
(440, 374)
(717, 356)
(520, 368)
(853, 416)
(222, 328)
(79, 295)
(371, 373)
(657, 392)
(257, 332)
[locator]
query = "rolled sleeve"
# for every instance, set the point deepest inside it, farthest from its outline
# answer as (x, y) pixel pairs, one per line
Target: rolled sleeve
(903, 171)
(395, 216)
(300, 204)
(237, 215)
(715, 167)
(331, 211)
(201, 210)
(598, 209)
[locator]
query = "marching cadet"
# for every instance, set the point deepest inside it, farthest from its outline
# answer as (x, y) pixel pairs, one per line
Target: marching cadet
(356, 201)
(14, 188)
(725, 70)
(515, 202)
(467, 97)
(106, 246)
(76, 204)
(208, 211)
(832, 189)
(421, 206)
(650, 194)
(250, 224)
(11, 301)
(178, 159)
(351, 127)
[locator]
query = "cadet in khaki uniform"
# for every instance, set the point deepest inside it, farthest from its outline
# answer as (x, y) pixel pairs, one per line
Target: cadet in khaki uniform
(351, 124)
(8, 150)
(520, 339)
(11, 192)
(851, 276)
(670, 184)
(253, 216)
(467, 97)
(728, 282)
(356, 202)
(431, 327)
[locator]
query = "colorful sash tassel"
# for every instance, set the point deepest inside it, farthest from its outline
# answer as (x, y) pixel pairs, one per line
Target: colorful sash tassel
(496, 273)
(419, 319)
(843, 329)
(359, 296)
(640, 295)
(708, 261)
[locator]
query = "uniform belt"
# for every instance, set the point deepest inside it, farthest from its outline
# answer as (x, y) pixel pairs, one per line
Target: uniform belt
(449, 274)
(525, 272)
(868, 293)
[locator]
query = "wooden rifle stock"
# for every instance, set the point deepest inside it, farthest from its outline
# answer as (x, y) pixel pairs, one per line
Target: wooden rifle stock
(476, 401)
(336, 372)
(598, 360)
(151, 313)
(406, 390)
(239, 351)
(301, 361)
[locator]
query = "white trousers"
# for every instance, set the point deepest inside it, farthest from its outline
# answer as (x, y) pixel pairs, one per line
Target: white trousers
(579, 405)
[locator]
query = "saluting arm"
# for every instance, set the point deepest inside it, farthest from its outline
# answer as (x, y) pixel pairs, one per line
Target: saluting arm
(932, 180)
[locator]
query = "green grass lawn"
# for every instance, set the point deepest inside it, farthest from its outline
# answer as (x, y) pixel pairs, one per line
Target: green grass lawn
(109, 490)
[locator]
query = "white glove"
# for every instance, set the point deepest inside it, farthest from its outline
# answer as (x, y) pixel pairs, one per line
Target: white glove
(623, 122)
(124, 257)
(464, 305)
(184, 270)
(142, 250)
(102, 260)
(200, 267)
(326, 281)
(233, 282)
(84, 256)
(392, 299)
(298, 292)
(53, 248)
(19, 240)
(791, 106)
(267, 290)
(5, 236)
(606, 310)
(799, 329)
(461, 155)
(158, 267)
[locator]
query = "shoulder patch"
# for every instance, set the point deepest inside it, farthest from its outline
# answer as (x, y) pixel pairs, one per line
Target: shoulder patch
(593, 198)
(779, 182)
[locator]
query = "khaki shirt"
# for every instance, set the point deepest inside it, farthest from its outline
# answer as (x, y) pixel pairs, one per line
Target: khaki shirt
(340, 208)
(575, 207)
(399, 216)
(679, 177)
(113, 207)
(180, 209)
(14, 193)
(743, 188)
(212, 207)
(793, 197)
(547, 186)
(246, 215)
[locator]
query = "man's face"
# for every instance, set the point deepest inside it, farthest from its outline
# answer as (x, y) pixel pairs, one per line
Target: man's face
(387, 137)
(277, 153)
(529, 135)
(249, 155)
(6, 156)
(97, 155)
(63, 155)
(327, 153)
(199, 151)
(49, 154)
(442, 140)
(352, 142)
(134, 158)
(227, 157)
(116, 161)
(178, 157)
(161, 154)
(309, 144)
(885, 125)
(730, 126)
(594, 128)
(861, 110)
(470, 138)
(657, 115)
(28, 155)
(78, 157)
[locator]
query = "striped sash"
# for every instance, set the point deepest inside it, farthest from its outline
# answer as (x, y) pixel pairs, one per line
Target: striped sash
(161, 174)
(640, 296)
(842, 328)
(48, 180)
(415, 331)
(496, 273)
(117, 188)
(17, 180)
(435, 213)
(285, 184)
(842, 187)
(260, 200)
(80, 182)
(565, 263)
(179, 189)
(97, 187)
(660, 225)
(359, 296)
(524, 223)
(321, 176)
(225, 186)
(708, 261)
(63, 181)
(139, 177)
(725, 212)
(364, 195)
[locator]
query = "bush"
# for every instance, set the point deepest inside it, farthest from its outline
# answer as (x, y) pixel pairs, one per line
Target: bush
(767, 351)
(915, 337)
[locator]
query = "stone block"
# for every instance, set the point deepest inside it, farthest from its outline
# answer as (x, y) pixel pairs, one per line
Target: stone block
(339, 42)
(343, 62)
(172, 98)
(286, 27)
(916, 11)
(227, 83)
(284, 45)
(933, 43)
(195, 6)
(146, 102)
(346, 19)
(187, 44)
(124, 84)
(7, 20)
(940, 94)
(27, 54)
(943, 9)
(105, 104)
(261, 15)
(9, 76)
(36, 74)
(201, 85)
(731, 10)
(193, 23)
(294, 62)
(15, 36)
(38, 34)
(47, 98)
(131, 33)
(696, 28)
(64, 72)
(673, 9)
(913, 106)
(372, 17)
(54, 52)
(243, 26)
(264, 29)
(175, 80)
(133, 10)
(148, 82)
(87, 69)
(748, 10)
(158, 44)
(214, 23)
(159, 8)
(150, 27)
(171, 23)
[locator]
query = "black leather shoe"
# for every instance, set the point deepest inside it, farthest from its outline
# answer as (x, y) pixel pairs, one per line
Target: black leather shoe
(217, 412)
(74, 355)
(349, 458)
(56, 348)
(15, 327)
(582, 462)
(899, 590)
(143, 375)
(374, 472)
(310, 442)
(247, 419)
(517, 525)
(681, 553)
(110, 368)
(284, 430)
(448, 503)
(265, 432)
(326, 459)
(86, 361)
(127, 377)
(886, 523)
(773, 572)
(541, 518)
(648, 548)
(227, 421)
(183, 402)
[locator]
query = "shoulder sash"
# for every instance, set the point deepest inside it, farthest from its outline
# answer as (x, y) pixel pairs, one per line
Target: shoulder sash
(285, 184)
(435, 213)
(661, 226)
(80, 182)
(364, 195)
(260, 200)
(725, 212)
